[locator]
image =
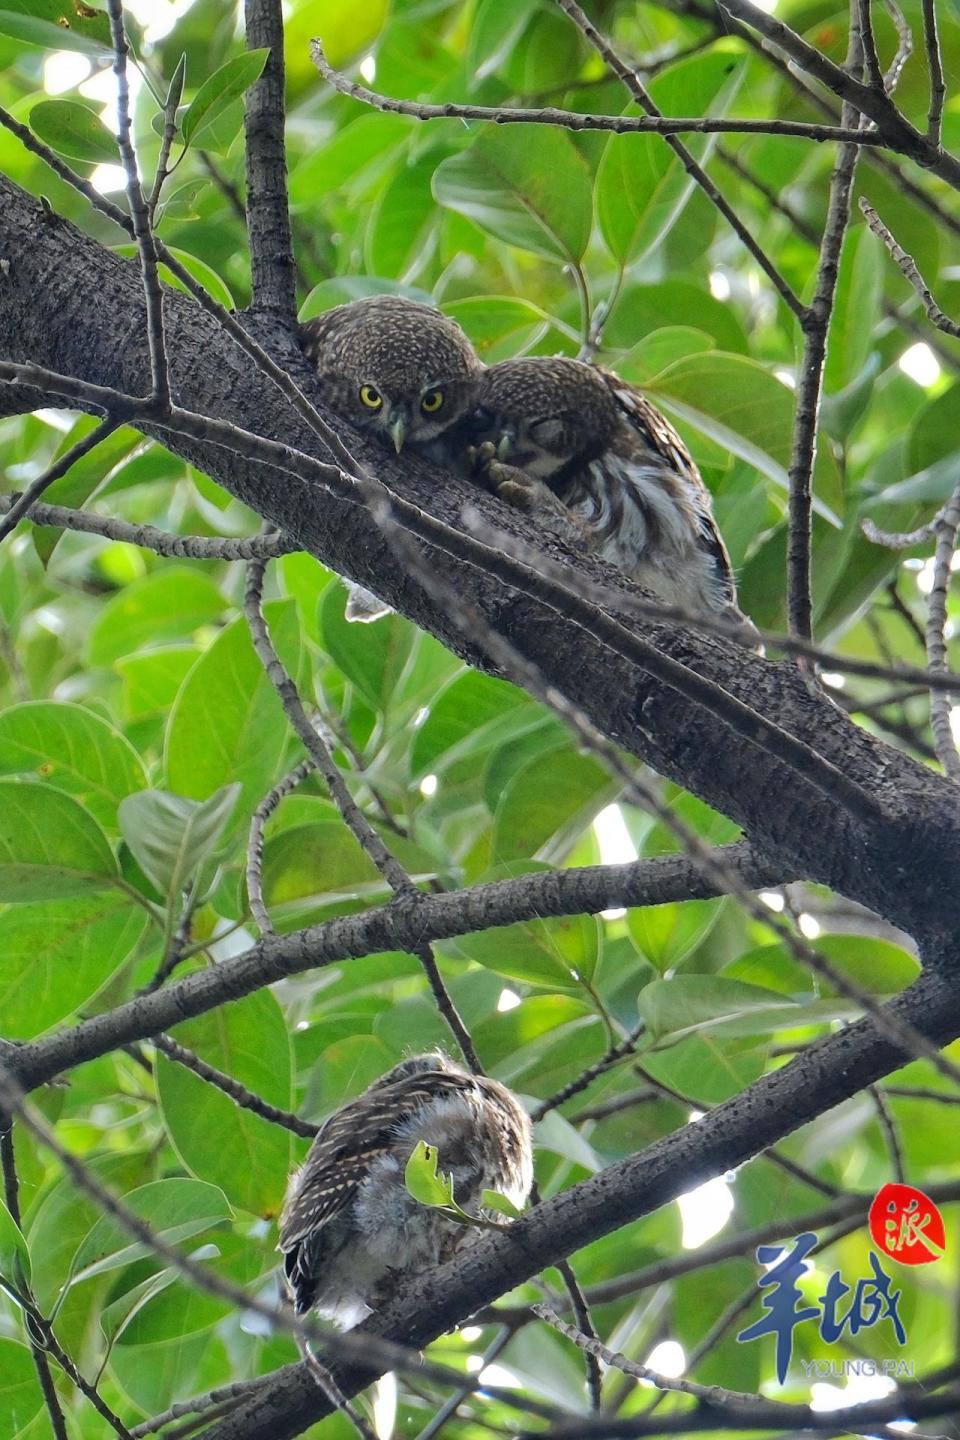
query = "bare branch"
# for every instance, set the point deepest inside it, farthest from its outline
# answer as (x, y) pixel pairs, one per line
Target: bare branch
(896, 131)
(261, 815)
(652, 123)
(815, 325)
(268, 216)
(437, 917)
(148, 537)
(238, 1093)
(908, 268)
(11, 1195)
(935, 633)
(20, 505)
(938, 89)
(139, 214)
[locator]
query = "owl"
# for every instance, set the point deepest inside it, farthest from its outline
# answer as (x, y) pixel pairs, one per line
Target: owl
(601, 467)
(399, 371)
(350, 1230)
(394, 368)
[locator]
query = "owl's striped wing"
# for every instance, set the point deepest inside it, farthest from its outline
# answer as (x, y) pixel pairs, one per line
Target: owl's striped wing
(347, 1145)
(658, 436)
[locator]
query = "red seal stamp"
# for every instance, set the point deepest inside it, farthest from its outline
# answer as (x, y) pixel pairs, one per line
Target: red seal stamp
(906, 1225)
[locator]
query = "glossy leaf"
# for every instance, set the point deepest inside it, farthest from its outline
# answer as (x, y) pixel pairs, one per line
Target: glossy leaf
(172, 837)
(50, 847)
(250, 1158)
(72, 749)
(176, 1209)
(56, 954)
(220, 90)
(227, 724)
(74, 130)
(527, 185)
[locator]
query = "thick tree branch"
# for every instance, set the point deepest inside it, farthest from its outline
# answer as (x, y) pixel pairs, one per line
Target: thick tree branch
(66, 303)
(832, 1069)
(435, 917)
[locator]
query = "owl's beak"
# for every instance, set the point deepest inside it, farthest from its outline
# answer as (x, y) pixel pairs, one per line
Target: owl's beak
(505, 445)
(398, 433)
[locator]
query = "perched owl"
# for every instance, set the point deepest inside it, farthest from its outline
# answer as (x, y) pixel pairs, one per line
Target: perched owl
(601, 466)
(399, 370)
(350, 1229)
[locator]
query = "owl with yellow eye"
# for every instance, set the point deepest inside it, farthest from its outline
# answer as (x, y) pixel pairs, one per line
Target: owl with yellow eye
(395, 369)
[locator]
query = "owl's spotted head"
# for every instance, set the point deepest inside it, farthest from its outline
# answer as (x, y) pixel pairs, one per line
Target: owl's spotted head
(545, 412)
(429, 1063)
(395, 368)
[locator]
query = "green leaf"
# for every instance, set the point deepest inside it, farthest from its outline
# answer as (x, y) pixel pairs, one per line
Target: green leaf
(371, 656)
(74, 130)
(220, 90)
(747, 411)
(666, 934)
(560, 954)
(398, 234)
(642, 187)
(545, 806)
(20, 1397)
(169, 604)
(247, 1157)
(424, 1181)
(688, 1003)
(465, 719)
(171, 837)
(14, 1253)
(56, 955)
(228, 723)
(856, 310)
(175, 1209)
(72, 749)
(50, 847)
(526, 184)
(499, 326)
(493, 1200)
(57, 25)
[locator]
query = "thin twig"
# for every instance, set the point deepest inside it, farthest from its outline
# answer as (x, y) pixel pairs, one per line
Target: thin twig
(910, 272)
(889, 1127)
(17, 507)
(11, 1195)
(938, 89)
(935, 633)
(815, 325)
(212, 1400)
(139, 214)
(644, 99)
(405, 892)
(587, 1077)
(653, 123)
(171, 104)
(238, 1093)
(258, 824)
(581, 1311)
(904, 48)
(452, 1404)
(149, 537)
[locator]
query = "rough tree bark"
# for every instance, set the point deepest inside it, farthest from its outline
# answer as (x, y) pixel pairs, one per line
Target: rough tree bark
(70, 305)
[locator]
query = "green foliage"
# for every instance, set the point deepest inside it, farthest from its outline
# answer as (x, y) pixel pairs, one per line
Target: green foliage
(138, 731)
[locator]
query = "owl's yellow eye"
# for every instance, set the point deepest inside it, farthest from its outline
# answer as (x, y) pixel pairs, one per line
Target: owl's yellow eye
(431, 401)
(371, 397)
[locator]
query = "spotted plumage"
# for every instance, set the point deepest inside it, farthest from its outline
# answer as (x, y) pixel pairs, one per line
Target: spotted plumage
(399, 370)
(350, 1229)
(581, 448)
